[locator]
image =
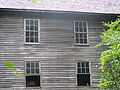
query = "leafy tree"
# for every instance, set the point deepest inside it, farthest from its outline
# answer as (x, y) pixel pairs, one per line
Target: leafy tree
(110, 59)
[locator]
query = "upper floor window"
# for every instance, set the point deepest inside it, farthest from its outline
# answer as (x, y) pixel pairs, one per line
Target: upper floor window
(32, 30)
(83, 74)
(80, 32)
(33, 74)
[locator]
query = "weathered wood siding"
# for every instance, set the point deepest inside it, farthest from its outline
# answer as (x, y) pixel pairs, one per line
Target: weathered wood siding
(56, 52)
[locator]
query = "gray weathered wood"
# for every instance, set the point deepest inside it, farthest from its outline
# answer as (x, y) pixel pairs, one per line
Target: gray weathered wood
(57, 51)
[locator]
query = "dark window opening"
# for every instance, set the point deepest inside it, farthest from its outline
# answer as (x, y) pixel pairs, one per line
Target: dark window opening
(83, 79)
(32, 81)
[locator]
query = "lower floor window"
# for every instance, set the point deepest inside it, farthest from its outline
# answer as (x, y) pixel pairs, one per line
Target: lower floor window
(33, 81)
(32, 74)
(83, 74)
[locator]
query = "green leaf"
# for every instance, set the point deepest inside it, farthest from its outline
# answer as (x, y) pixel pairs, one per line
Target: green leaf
(14, 70)
(18, 74)
(8, 64)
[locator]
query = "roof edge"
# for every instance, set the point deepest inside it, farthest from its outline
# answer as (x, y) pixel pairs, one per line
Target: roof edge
(54, 11)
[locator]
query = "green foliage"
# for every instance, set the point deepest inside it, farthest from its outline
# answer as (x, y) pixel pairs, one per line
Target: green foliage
(10, 66)
(110, 59)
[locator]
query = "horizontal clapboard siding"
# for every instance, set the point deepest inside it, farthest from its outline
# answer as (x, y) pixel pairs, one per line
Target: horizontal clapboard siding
(57, 52)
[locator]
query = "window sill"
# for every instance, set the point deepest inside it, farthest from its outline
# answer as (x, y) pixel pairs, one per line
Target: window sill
(33, 87)
(84, 86)
(81, 44)
(31, 43)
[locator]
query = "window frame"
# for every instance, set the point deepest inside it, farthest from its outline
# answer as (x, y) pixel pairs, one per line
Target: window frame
(33, 74)
(79, 32)
(25, 32)
(84, 73)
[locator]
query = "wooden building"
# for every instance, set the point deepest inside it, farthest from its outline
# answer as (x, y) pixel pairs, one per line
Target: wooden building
(52, 43)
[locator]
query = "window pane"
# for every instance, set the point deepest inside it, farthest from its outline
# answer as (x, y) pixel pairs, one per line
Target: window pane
(77, 36)
(85, 41)
(27, 22)
(36, 28)
(36, 22)
(80, 24)
(81, 35)
(32, 28)
(28, 71)
(85, 35)
(32, 64)
(84, 26)
(37, 64)
(83, 70)
(32, 71)
(27, 27)
(27, 39)
(36, 34)
(76, 29)
(81, 40)
(76, 24)
(36, 39)
(37, 71)
(27, 33)
(28, 64)
(31, 22)
(78, 64)
(87, 70)
(32, 34)
(80, 29)
(83, 65)
(85, 29)
(32, 68)
(79, 70)
(31, 39)
(77, 40)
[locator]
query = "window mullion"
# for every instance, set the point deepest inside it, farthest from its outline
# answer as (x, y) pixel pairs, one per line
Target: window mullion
(30, 68)
(35, 67)
(85, 66)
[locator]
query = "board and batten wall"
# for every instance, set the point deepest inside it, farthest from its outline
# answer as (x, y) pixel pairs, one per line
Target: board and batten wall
(57, 51)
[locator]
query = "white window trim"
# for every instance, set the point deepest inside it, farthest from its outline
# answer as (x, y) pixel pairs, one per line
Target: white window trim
(25, 32)
(40, 73)
(89, 73)
(75, 34)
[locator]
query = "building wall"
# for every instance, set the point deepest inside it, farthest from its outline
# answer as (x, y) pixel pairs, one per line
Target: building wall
(57, 51)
